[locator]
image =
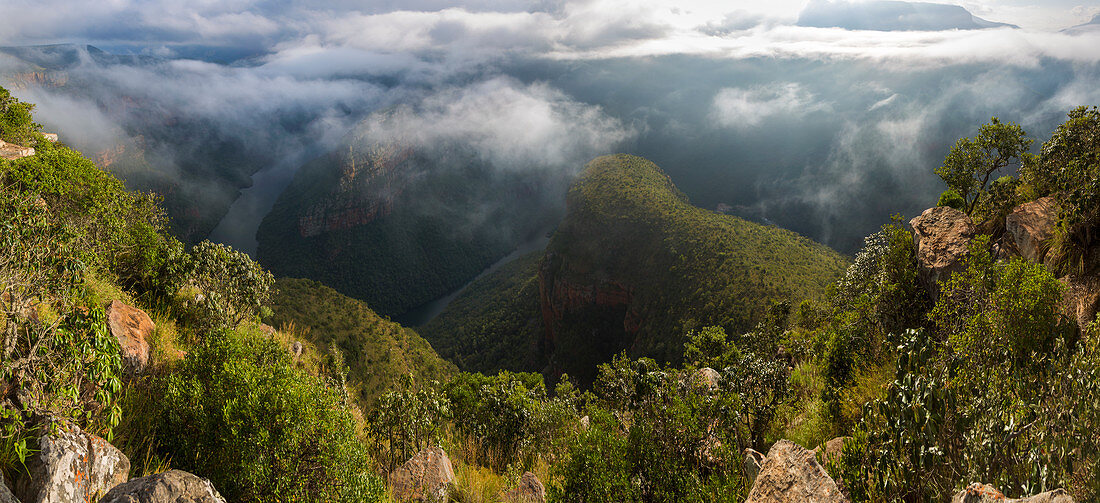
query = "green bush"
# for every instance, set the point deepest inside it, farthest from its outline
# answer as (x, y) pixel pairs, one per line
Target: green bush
(407, 420)
(952, 199)
(655, 435)
(509, 416)
(239, 412)
(16, 123)
(234, 287)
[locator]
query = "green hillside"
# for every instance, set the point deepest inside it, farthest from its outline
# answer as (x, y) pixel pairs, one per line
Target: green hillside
(635, 266)
(495, 323)
(378, 351)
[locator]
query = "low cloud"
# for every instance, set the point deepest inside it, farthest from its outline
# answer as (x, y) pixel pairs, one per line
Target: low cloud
(511, 125)
(746, 108)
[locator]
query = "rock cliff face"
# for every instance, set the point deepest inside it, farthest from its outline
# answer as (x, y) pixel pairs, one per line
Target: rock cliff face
(561, 297)
(368, 185)
(398, 225)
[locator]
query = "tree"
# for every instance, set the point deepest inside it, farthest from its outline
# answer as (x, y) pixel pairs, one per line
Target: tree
(972, 161)
(234, 288)
(16, 123)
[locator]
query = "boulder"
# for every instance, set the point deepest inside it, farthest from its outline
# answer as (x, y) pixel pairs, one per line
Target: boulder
(985, 493)
(1030, 225)
(529, 490)
(832, 449)
(5, 494)
(175, 486)
(791, 473)
(941, 236)
(424, 477)
(70, 465)
(133, 329)
(753, 460)
(707, 377)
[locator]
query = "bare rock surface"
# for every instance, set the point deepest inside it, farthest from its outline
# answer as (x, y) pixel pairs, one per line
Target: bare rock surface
(529, 490)
(985, 493)
(941, 235)
(1032, 224)
(5, 494)
(70, 466)
(133, 329)
(707, 378)
(424, 477)
(791, 473)
(173, 486)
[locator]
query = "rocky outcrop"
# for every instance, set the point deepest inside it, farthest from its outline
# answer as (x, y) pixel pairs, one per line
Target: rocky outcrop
(1081, 299)
(11, 151)
(791, 473)
(175, 486)
(133, 329)
(70, 466)
(560, 296)
(985, 493)
(425, 477)
(941, 236)
(1030, 225)
(529, 490)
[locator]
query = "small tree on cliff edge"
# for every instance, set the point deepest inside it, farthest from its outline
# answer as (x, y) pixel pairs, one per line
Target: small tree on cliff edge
(972, 161)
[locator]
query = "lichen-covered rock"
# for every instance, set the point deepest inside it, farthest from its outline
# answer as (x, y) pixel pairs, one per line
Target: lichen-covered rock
(1030, 225)
(985, 493)
(791, 473)
(942, 236)
(707, 378)
(133, 329)
(424, 477)
(70, 466)
(173, 486)
(529, 490)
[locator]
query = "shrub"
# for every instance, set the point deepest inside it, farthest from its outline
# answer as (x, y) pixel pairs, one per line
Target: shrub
(238, 412)
(654, 435)
(406, 420)
(500, 414)
(234, 287)
(16, 123)
(952, 199)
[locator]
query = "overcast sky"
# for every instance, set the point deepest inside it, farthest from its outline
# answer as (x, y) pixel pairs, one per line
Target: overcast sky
(824, 130)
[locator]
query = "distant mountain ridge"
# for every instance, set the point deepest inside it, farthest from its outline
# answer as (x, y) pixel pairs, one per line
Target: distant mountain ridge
(633, 267)
(891, 15)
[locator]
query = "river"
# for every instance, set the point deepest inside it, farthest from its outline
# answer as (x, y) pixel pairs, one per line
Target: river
(421, 315)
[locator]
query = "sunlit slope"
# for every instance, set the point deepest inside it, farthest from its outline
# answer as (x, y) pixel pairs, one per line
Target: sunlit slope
(378, 351)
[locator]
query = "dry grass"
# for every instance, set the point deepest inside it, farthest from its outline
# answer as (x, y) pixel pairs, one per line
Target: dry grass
(475, 484)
